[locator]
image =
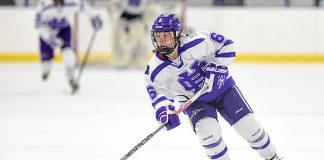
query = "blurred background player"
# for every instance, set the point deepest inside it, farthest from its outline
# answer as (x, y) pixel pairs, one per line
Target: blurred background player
(131, 34)
(181, 66)
(52, 22)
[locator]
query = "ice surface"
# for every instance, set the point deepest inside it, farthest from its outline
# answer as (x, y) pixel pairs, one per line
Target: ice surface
(111, 114)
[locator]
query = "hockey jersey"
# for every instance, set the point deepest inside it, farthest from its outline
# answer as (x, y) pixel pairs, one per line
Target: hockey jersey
(51, 18)
(168, 80)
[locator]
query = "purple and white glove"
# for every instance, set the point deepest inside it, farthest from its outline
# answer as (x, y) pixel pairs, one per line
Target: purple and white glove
(54, 41)
(166, 115)
(96, 23)
(215, 76)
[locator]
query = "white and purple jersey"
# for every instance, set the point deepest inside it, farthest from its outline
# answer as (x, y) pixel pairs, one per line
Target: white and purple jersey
(168, 80)
(50, 19)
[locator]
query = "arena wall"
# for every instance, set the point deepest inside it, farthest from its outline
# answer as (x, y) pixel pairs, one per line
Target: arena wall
(260, 34)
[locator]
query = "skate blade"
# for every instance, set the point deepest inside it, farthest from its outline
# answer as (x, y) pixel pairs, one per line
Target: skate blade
(70, 91)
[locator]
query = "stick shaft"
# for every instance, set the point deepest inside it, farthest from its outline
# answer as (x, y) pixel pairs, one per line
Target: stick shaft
(182, 108)
(86, 56)
(139, 145)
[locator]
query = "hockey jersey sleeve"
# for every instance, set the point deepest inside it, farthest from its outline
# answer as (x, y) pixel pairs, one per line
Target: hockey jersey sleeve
(221, 48)
(157, 93)
(41, 23)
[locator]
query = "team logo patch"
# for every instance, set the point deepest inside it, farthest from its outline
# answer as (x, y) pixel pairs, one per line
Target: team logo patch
(221, 81)
(217, 38)
(151, 91)
(195, 112)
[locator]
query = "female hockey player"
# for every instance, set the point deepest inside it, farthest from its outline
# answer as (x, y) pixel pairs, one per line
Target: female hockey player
(55, 32)
(180, 67)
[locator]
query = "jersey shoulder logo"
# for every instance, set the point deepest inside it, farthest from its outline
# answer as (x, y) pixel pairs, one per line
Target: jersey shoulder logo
(216, 37)
(151, 91)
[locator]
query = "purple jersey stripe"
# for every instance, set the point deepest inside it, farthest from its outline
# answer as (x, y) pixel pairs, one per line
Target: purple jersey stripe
(160, 56)
(219, 154)
(227, 54)
(259, 139)
(213, 144)
(166, 63)
(158, 69)
(264, 146)
(241, 95)
(158, 101)
(228, 42)
(190, 45)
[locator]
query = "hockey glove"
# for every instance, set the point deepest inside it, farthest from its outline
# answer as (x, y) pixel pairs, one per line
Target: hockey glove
(215, 76)
(96, 23)
(54, 42)
(166, 115)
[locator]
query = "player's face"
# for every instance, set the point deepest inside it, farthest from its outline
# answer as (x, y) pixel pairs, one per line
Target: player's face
(58, 2)
(164, 39)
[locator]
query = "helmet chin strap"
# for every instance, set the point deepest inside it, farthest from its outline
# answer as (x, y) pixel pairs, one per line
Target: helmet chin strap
(166, 51)
(171, 58)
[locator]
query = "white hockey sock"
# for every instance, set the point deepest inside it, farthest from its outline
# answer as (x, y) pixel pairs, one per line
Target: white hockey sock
(263, 145)
(208, 131)
(69, 60)
(46, 66)
(252, 131)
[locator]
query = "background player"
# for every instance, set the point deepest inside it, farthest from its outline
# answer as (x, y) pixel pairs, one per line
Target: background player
(130, 33)
(180, 68)
(52, 22)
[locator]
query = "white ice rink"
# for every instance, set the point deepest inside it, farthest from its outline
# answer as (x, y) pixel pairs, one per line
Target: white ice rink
(112, 113)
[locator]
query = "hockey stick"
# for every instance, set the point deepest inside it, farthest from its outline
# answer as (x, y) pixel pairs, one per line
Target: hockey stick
(182, 108)
(84, 62)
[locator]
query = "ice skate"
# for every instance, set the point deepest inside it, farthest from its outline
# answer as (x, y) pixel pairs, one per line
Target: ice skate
(276, 157)
(71, 87)
(45, 76)
(74, 86)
